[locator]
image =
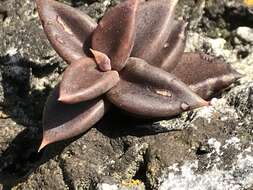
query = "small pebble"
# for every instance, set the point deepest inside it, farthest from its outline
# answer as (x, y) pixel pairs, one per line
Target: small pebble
(245, 33)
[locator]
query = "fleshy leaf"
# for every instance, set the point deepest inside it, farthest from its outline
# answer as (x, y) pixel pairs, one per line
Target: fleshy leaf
(148, 91)
(62, 121)
(67, 29)
(205, 74)
(102, 60)
(83, 81)
(173, 49)
(115, 33)
(154, 20)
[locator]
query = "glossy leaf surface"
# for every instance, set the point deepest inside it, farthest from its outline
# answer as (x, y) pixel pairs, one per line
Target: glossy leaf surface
(62, 121)
(154, 20)
(148, 91)
(68, 29)
(161, 81)
(83, 81)
(115, 33)
(173, 49)
(205, 74)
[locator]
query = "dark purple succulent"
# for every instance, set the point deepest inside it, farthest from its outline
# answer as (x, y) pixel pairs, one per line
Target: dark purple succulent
(133, 58)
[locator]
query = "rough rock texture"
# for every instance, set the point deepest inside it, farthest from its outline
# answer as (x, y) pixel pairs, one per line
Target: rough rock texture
(208, 148)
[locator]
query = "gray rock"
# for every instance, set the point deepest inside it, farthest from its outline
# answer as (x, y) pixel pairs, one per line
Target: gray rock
(184, 152)
(49, 176)
(245, 34)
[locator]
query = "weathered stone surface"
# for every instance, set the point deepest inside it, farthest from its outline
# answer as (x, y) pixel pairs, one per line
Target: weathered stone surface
(245, 33)
(208, 148)
(48, 176)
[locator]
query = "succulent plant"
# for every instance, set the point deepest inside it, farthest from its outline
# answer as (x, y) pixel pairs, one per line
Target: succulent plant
(133, 58)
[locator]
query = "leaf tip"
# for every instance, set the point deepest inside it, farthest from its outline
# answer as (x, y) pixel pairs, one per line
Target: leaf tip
(43, 144)
(61, 99)
(102, 60)
(65, 99)
(198, 103)
(204, 103)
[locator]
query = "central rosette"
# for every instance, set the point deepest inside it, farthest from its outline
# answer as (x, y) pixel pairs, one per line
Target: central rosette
(134, 58)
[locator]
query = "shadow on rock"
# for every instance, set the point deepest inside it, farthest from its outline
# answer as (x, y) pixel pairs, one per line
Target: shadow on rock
(25, 105)
(117, 123)
(21, 157)
(22, 103)
(76, 3)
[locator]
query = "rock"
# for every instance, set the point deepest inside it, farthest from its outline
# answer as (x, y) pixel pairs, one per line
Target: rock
(9, 130)
(126, 185)
(218, 153)
(215, 178)
(245, 34)
(207, 148)
(29, 66)
(22, 32)
(105, 186)
(49, 176)
(241, 97)
(197, 41)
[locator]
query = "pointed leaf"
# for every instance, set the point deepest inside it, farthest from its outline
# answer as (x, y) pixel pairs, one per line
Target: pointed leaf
(83, 81)
(67, 29)
(154, 20)
(173, 49)
(62, 121)
(102, 60)
(205, 74)
(115, 33)
(148, 91)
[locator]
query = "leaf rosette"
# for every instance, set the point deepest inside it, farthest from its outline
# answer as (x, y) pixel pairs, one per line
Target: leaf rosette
(133, 58)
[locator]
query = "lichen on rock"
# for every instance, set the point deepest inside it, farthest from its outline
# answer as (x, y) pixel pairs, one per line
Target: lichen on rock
(209, 143)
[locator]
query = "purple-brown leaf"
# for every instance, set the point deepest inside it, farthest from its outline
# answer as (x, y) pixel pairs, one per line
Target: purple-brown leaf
(205, 74)
(154, 20)
(62, 121)
(148, 91)
(115, 33)
(102, 60)
(173, 49)
(83, 81)
(161, 81)
(68, 29)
